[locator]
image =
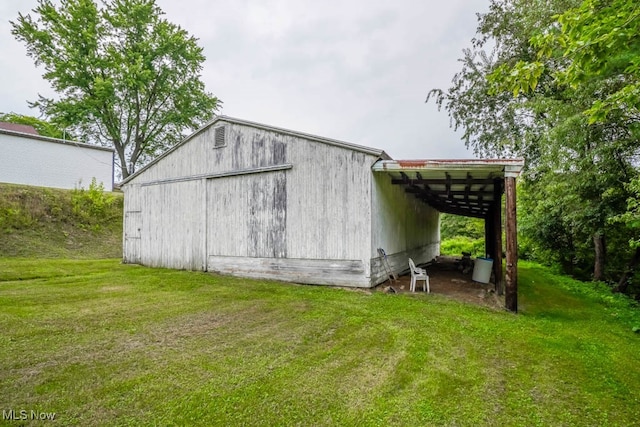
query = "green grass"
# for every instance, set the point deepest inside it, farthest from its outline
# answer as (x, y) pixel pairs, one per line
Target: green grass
(100, 343)
(457, 245)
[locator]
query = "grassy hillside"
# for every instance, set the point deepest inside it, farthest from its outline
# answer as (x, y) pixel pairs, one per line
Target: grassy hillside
(50, 223)
(101, 343)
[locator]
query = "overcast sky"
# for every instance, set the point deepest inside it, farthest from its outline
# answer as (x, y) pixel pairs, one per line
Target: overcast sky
(354, 70)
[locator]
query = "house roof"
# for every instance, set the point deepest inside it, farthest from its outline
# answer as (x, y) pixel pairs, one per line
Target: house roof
(54, 140)
(461, 187)
(15, 127)
(232, 120)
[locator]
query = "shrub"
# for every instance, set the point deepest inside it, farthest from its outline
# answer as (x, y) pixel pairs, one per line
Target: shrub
(92, 206)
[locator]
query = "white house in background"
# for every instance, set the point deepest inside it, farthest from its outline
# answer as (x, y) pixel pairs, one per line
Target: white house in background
(31, 159)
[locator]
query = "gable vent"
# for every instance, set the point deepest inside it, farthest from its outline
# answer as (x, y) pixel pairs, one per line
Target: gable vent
(220, 140)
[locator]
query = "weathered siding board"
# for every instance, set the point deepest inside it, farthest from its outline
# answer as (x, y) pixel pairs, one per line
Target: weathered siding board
(256, 148)
(132, 228)
(328, 203)
(172, 228)
(247, 215)
(399, 261)
(248, 148)
(186, 160)
(403, 226)
(267, 216)
(245, 148)
(227, 211)
(351, 273)
(132, 225)
(317, 210)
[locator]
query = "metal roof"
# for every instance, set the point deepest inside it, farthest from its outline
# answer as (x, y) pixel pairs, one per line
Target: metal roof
(461, 187)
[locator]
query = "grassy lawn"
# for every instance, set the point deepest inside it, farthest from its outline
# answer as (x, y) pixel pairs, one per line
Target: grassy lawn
(100, 343)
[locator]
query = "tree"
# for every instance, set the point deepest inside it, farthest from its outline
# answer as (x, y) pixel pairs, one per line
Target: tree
(43, 127)
(592, 52)
(631, 221)
(512, 102)
(600, 42)
(125, 77)
(495, 123)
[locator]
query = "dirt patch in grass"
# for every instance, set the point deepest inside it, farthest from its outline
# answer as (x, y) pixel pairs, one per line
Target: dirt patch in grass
(445, 279)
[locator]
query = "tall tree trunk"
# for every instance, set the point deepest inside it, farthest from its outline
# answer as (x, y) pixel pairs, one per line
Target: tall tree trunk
(600, 248)
(122, 157)
(623, 284)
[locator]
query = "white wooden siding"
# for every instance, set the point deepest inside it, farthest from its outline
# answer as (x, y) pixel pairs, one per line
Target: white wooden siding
(244, 149)
(132, 225)
(186, 160)
(348, 273)
(329, 202)
(132, 234)
(172, 225)
(246, 215)
(48, 162)
(403, 226)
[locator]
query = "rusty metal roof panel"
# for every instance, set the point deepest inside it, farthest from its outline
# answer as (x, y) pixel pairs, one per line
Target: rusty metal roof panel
(452, 165)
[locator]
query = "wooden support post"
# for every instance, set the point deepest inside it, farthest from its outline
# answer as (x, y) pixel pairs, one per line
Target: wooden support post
(497, 227)
(489, 231)
(511, 291)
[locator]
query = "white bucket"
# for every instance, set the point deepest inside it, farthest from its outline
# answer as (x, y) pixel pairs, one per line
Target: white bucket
(482, 270)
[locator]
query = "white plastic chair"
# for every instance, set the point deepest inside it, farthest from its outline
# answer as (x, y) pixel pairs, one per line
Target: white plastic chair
(418, 274)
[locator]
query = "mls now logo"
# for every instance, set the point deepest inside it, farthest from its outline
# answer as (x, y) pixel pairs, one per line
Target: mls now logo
(23, 414)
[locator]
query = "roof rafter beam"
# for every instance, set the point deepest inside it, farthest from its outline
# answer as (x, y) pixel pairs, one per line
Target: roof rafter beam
(451, 194)
(441, 203)
(456, 210)
(467, 187)
(437, 181)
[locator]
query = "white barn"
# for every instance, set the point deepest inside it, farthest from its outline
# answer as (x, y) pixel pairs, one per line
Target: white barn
(252, 200)
(31, 159)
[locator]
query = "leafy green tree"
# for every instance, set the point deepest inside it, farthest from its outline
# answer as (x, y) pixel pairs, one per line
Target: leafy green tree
(495, 123)
(512, 102)
(591, 54)
(452, 226)
(124, 75)
(43, 127)
(597, 41)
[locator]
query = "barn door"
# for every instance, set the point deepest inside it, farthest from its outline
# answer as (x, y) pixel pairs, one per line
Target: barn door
(132, 227)
(246, 215)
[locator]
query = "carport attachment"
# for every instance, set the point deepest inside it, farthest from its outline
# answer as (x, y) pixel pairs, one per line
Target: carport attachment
(470, 188)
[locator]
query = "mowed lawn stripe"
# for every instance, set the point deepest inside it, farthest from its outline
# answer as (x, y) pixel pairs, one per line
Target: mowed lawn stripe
(101, 343)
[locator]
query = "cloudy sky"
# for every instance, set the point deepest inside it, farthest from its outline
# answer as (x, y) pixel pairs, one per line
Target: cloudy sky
(354, 70)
